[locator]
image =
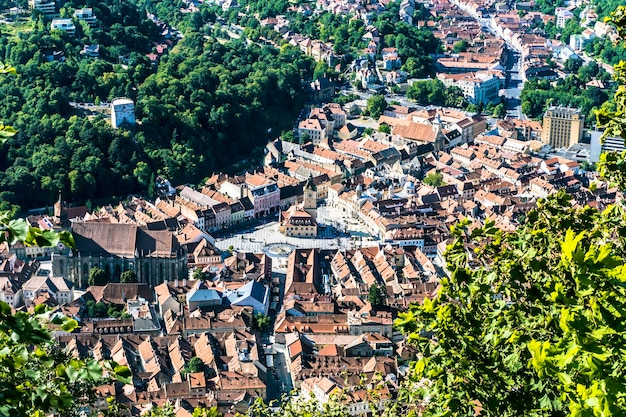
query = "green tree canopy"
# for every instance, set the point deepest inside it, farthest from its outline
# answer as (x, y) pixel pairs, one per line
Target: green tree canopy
(434, 179)
(262, 322)
(128, 276)
(436, 93)
(499, 111)
(527, 324)
(36, 377)
(292, 407)
(460, 46)
(376, 105)
(530, 323)
(195, 364)
(97, 276)
(198, 274)
(206, 412)
(377, 295)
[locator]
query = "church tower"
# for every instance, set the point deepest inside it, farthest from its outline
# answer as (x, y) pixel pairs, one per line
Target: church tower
(58, 206)
(309, 204)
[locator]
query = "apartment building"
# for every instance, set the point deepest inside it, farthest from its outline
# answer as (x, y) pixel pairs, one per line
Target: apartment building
(562, 127)
(477, 87)
(45, 6)
(66, 25)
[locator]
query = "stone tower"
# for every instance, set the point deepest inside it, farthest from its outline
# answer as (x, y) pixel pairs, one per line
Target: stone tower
(309, 203)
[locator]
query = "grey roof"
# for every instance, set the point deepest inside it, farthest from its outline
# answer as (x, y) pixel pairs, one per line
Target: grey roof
(202, 293)
(252, 289)
(197, 197)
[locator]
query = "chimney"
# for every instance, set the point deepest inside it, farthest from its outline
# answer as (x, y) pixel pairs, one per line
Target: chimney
(184, 282)
(176, 283)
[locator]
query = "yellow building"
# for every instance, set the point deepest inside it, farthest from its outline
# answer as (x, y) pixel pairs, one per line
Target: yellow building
(562, 127)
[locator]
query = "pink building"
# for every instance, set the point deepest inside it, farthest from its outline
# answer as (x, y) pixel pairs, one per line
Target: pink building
(264, 194)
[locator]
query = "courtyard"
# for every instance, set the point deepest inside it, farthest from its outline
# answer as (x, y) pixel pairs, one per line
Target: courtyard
(335, 231)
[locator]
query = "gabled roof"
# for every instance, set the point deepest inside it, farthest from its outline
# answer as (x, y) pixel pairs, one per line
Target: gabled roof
(124, 240)
(203, 293)
(416, 131)
(117, 293)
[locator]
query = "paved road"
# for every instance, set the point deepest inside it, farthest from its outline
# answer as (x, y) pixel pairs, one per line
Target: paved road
(514, 81)
(513, 85)
(280, 364)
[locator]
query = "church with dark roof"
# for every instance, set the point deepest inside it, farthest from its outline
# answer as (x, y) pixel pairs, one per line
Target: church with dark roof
(154, 255)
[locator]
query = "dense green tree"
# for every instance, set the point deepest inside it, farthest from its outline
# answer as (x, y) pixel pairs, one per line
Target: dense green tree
(198, 274)
(203, 99)
(128, 276)
(36, 377)
(571, 91)
(384, 128)
(262, 322)
(434, 92)
(292, 407)
(529, 322)
(376, 105)
(499, 111)
(206, 412)
(434, 179)
(97, 276)
(166, 410)
(460, 46)
(526, 323)
(195, 364)
(573, 64)
(548, 6)
(572, 27)
(96, 310)
(588, 71)
(611, 116)
(377, 295)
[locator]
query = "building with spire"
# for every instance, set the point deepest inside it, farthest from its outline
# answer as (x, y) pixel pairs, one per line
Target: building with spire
(300, 220)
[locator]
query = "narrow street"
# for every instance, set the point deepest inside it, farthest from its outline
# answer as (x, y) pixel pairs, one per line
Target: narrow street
(514, 81)
(513, 85)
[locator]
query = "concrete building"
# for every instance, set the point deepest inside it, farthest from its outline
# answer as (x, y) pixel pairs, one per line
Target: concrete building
(58, 288)
(562, 127)
(86, 15)
(610, 144)
(45, 6)
(66, 25)
(578, 42)
(562, 16)
(478, 87)
(122, 112)
(313, 128)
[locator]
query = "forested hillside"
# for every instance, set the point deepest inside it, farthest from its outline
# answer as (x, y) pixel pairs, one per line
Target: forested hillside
(205, 106)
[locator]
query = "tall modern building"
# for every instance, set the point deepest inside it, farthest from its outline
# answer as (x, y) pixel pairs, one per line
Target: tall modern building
(122, 112)
(562, 127)
(47, 7)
